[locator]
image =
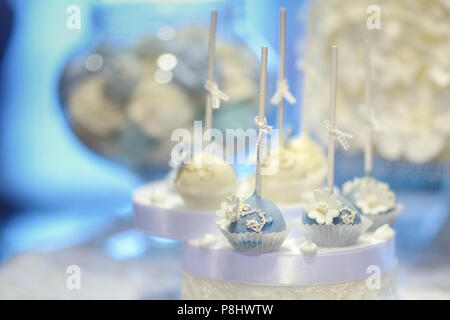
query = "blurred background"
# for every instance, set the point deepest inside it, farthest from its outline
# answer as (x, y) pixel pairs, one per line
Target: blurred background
(90, 91)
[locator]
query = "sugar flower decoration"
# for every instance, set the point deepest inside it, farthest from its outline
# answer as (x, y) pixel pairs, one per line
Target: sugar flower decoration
(374, 198)
(229, 211)
(351, 185)
(323, 206)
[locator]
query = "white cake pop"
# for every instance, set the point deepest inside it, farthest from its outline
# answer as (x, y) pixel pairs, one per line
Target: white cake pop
(205, 181)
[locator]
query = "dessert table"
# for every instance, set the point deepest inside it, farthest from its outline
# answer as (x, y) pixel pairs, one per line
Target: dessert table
(156, 273)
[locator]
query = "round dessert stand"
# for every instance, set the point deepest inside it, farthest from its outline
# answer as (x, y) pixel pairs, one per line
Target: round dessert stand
(365, 270)
(160, 212)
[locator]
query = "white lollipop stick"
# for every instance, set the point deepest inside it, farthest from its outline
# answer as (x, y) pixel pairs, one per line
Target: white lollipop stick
(282, 85)
(304, 114)
(333, 89)
(282, 74)
(211, 56)
(215, 95)
(368, 107)
(261, 121)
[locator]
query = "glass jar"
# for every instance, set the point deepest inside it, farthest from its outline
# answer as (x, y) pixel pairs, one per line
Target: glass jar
(142, 76)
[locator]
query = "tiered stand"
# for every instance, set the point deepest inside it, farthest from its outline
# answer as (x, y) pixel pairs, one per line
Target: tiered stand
(365, 270)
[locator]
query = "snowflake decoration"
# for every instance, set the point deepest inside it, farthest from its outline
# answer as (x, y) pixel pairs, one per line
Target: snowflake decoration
(348, 218)
(233, 208)
(255, 225)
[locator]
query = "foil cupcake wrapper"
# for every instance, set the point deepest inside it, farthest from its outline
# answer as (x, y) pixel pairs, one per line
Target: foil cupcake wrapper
(334, 235)
(385, 218)
(257, 243)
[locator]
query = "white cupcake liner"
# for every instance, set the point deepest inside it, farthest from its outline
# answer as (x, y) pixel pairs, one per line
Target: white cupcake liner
(384, 218)
(257, 243)
(340, 235)
(205, 199)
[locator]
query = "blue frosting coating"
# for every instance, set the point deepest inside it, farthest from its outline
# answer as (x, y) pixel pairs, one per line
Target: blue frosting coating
(342, 212)
(273, 214)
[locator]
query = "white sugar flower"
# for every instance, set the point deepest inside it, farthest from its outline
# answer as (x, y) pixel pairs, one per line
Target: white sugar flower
(323, 206)
(351, 185)
(374, 197)
(229, 211)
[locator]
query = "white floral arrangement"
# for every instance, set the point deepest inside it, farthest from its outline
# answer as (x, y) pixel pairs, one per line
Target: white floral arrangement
(411, 74)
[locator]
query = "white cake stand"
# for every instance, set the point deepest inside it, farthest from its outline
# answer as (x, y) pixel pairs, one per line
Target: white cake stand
(365, 270)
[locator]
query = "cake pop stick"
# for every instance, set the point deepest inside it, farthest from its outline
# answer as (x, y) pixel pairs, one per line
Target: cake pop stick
(214, 94)
(304, 114)
(368, 105)
(261, 120)
(282, 71)
(331, 135)
(282, 86)
(212, 45)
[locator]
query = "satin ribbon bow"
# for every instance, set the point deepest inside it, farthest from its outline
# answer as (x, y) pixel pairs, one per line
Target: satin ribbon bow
(342, 137)
(282, 93)
(262, 128)
(215, 94)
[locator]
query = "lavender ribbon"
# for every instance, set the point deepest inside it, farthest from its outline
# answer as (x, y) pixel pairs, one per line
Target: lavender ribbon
(179, 224)
(288, 269)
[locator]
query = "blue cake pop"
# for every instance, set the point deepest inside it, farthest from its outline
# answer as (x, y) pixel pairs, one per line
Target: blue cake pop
(254, 226)
(348, 214)
(257, 226)
(265, 213)
(331, 220)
